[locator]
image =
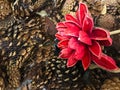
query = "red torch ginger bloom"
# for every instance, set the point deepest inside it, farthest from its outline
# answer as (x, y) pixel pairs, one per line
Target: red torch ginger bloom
(79, 40)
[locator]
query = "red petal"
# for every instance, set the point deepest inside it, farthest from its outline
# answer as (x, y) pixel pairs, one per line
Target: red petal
(99, 34)
(102, 35)
(83, 37)
(73, 43)
(69, 17)
(60, 25)
(80, 51)
(86, 60)
(71, 61)
(63, 43)
(65, 53)
(107, 42)
(105, 62)
(61, 37)
(88, 24)
(61, 29)
(72, 29)
(81, 12)
(95, 49)
(78, 47)
(58, 36)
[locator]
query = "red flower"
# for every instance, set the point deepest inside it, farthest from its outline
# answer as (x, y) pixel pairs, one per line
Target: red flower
(81, 41)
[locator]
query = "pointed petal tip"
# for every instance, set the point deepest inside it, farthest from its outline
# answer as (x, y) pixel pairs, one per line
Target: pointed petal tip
(106, 62)
(60, 25)
(88, 24)
(81, 12)
(58, 36)
(69, 17)
(102, 35)
(83, 6)
(86, 60)
(71, 64)
(71, 61)
(65, 53)
(85, 68)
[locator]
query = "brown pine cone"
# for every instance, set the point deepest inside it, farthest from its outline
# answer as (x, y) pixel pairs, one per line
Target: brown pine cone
(97, 76)
(5, 9)
(24, 8)
(95, 6)
(54, 75)
(106, 21)
(88, 87)
(14, 77)
(112, 6)
(111, 84)
(2, 84)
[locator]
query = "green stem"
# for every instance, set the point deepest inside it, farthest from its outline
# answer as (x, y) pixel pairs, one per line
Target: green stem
(114, 32)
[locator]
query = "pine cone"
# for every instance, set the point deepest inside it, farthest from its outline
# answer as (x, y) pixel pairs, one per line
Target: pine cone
(106, 21)
(5, 9)
(95, 6)
(111, 84)
(53, 74)
(89, 87)
(97, 76)
(26, 8)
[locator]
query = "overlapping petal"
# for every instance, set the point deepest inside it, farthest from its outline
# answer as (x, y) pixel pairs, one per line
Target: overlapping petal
(95, 49)
(71, 61)
(73, 43)
(61, 31)
(79, 51)
(83, 37)
(63, 43)
(105, 62)
(66, 53)
(86, 60)
(78, 47)
(69, 17)
(107, 42)
(72, 29)
(58, 36)
(81, 12)
(101, 35)
(88, 24)
(81, 41)
(60, 25)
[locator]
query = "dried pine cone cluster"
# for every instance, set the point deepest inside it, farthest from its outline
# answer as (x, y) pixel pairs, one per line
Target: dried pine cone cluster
(111, 84)
(24, 8)
(27, 48)
(53, 74)
(5, 9)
